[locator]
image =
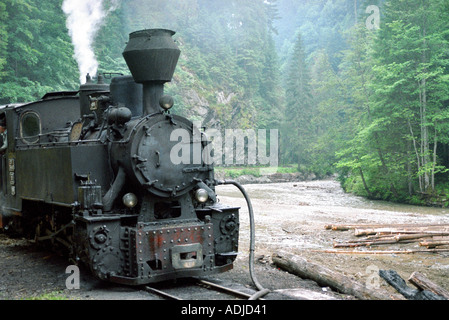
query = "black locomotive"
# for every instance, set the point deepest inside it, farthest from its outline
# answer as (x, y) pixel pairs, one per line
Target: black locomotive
(91, 171)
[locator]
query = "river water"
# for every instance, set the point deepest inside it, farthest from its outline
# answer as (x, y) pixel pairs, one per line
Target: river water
(325, 194)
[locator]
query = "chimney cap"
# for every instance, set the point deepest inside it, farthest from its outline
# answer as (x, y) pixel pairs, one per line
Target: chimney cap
(151, 32)
(151, 55)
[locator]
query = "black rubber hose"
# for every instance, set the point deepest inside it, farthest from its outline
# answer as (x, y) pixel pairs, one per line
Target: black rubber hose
(262, 291)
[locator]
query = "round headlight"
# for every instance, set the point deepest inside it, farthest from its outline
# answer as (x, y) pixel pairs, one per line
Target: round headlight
(201, 195)
(130, 200)
(166, 102)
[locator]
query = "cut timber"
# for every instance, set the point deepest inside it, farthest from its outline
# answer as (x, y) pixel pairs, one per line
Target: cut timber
(393, 279)
(367, 243)
(434, 243)
(383, 251)
(345, 227)
(325, 277)
(431, 235)
(414, 236)
(442, 229)
(421, 282)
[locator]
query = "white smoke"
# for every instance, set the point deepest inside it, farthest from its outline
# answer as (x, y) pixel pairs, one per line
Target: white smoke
(84, 19)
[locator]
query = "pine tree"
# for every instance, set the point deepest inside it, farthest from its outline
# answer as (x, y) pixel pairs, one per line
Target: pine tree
(299, 108)
(359, 151)
(3, 37)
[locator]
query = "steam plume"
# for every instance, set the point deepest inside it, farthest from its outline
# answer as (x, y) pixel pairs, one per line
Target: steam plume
(84, 19)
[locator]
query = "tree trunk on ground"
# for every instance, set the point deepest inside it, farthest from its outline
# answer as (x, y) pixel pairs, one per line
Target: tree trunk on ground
(326, 277)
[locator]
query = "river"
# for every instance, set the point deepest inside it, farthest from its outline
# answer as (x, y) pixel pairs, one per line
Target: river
(323, 194)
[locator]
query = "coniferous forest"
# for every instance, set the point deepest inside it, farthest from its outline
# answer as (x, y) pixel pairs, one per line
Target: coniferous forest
(357, 88)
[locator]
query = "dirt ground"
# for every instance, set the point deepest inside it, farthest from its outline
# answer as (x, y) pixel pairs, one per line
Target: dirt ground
(289, 217)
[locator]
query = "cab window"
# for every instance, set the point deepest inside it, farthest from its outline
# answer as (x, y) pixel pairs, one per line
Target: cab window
(30, 127)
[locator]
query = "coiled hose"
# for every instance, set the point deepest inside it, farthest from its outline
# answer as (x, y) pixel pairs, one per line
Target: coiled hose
(262, 291)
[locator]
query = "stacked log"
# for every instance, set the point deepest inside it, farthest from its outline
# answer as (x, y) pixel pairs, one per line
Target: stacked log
(434, 237)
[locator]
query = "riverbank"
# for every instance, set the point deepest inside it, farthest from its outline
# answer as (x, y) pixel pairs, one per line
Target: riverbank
(264, 175)
(431, 197)
(288, 174)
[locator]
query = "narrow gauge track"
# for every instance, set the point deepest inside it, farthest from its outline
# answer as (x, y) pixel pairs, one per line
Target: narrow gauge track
(196, 284)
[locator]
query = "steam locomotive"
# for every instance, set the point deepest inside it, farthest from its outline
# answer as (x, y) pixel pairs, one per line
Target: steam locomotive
(91, 171)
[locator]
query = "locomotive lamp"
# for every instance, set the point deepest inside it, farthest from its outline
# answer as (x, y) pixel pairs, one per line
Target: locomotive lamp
(166, 102)
(201, 195)
(130, 200)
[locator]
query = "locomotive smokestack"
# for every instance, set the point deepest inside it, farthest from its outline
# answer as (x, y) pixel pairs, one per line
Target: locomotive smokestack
(151, 56)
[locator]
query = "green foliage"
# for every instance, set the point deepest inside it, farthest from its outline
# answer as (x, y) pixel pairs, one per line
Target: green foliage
(395, 147)
(3, 37)
(235, 172)
(226, 47)
(377, 112)
(297, 129)
(53, 295)
(36, 52)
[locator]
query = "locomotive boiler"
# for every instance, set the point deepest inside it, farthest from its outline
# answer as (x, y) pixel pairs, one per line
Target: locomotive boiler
(91, 171)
